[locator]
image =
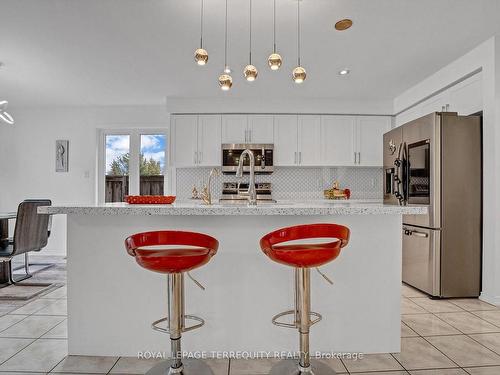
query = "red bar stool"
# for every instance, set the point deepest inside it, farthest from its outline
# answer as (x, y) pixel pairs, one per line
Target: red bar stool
(302, 257)
(185, 252)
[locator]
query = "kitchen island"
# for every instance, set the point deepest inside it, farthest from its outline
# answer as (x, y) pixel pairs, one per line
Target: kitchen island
(112, 301)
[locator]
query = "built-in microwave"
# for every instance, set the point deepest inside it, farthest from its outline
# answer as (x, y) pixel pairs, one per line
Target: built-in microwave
(263, 153)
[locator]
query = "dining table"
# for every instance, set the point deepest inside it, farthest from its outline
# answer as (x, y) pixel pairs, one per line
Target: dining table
(4, 242)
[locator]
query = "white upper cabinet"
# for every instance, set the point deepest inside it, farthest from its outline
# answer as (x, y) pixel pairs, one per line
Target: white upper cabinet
(209, 140)
(438, 103)
(235, 129)
(260, 129)
(370, 130)
(407, 116)
(299, 140)
(196, 140)
(353, 140)
(466, 97)
(285, 140)
(184, 136)
(338, 143)
(247, 128)
(309, 140)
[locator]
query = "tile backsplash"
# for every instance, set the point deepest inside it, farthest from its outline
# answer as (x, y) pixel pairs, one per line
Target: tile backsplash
(292, 182)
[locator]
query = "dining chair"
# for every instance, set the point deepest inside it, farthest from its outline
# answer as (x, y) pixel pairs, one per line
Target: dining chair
(31, 233)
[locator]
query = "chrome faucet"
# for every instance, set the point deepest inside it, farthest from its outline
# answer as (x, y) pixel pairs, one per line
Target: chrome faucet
(251, 192)
(206, 192)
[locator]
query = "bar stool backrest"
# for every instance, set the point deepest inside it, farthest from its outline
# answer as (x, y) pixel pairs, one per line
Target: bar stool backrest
(32, 229)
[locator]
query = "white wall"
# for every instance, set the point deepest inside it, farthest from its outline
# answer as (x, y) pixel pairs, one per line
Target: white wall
(27, 155)
(486, 57)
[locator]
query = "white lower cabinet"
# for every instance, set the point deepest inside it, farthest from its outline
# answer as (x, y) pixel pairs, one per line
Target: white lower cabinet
(196, 140)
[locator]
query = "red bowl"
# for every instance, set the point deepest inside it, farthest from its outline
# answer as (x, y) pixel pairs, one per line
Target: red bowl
(149, 199)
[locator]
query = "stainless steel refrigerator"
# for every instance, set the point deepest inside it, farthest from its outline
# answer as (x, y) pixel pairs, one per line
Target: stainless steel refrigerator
(436, 161)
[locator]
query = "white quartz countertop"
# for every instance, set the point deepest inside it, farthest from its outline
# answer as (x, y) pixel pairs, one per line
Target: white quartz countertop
(290, 208)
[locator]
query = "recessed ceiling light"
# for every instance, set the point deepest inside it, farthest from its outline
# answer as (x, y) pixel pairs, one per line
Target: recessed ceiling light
(344, 72)
(343, 24)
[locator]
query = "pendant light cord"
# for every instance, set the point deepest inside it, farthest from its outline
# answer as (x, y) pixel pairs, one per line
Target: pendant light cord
(250, 37)
(274, 26)
(225, 46)
(298, 30)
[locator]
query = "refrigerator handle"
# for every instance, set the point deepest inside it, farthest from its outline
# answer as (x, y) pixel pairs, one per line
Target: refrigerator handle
(416, 233)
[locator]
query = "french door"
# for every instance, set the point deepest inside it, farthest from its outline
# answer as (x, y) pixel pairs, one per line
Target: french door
(132, 162)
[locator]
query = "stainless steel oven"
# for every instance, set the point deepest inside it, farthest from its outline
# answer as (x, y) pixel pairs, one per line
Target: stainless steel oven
(263, 153)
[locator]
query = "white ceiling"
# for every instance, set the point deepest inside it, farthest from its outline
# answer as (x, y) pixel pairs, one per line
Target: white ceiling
(125, 52)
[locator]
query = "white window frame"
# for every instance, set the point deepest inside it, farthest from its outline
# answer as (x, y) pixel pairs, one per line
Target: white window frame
(134, 149)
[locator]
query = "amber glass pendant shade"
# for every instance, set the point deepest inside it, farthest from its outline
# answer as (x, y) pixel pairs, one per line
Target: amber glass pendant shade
(225, 82)
(201, 56)
(250, 73)
(275, 61)
(299, 74)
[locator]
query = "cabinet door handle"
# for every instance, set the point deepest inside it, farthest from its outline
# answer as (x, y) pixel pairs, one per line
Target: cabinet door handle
(200, 157)
(194, 157)
(295, 158)
(359, 157)
(300, 157)
(355, 158)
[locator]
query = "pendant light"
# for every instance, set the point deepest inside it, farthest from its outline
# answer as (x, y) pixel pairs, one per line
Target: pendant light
(299, 73)
(201, 55)
(274, 59)
(5, 116)
(250, 71)
(225, 79)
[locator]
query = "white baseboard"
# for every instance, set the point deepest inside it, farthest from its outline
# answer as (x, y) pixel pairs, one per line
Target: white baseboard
(494, 300)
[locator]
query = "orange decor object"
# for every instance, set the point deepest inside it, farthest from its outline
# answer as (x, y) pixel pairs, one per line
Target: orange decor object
(149, 199)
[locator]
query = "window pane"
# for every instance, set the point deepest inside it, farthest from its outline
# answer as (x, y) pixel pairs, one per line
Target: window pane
(117, 162)
(152, 164)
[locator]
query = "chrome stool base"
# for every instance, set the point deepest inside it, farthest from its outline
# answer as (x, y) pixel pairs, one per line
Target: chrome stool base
(291, 367)
(191, 367)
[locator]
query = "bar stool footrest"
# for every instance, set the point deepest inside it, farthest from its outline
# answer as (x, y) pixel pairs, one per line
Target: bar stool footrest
(291, 367)
(156, 327)
(190, 367)
(278, 323)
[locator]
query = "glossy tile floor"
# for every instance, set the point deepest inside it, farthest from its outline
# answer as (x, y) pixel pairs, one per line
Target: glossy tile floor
(439, 337)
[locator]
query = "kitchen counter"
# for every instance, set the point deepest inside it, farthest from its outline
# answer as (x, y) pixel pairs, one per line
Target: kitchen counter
(112, 300)
(301, 208)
